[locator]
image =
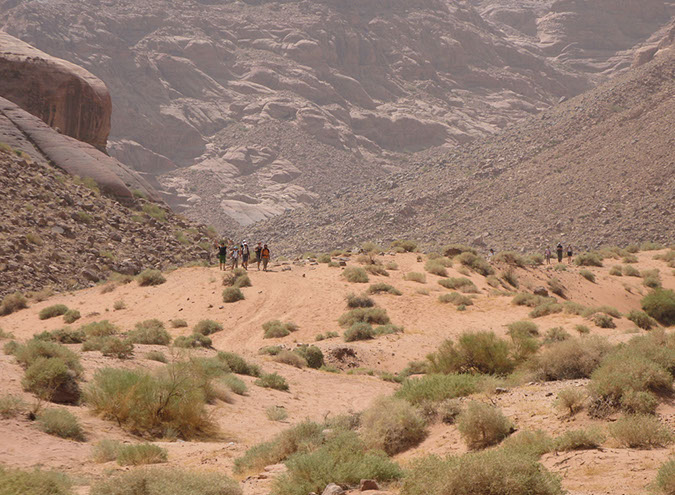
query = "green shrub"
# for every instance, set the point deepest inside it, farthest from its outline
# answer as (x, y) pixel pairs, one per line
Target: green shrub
(651, 279)
(33, 350)
(493, 472)
(12, 303)
(272, 380)
(665, 479)
(290, 358)
(436, 267)
(192, 341)
(60, 423)
(324, 258)
(603, 321)
(149, 332)
(533, 444)
(639, 402)
(105, 451)
(375, 269)
(207, 327)
(52, 311)
(276, 329)
(381, 287)
(545, 310)
(234, 383)
(641, 319)
(460, 283)
(641, 431)
(510, 277)
(171, 403)
(571, 400)
(139, 454)
(239, 365)
(582, 329)
(588, 259)
(571, 359)
(437, 388)
(588, 439)
(36, 482)
(232, 294)
(616, 271)
(455, 298)
(475, 352)
(312, 354)
(476, 263)
(531, 300)
(511, 258)
(359, 301)
(392, 425)
(99, 329)
(631, 271)
(555, 334)
(482, 425)
(373, 316)
(149, 277)
(71, 316)
(523, 327)
(359, 331)
(660, 305)
(51, 379)
(179, 323)
(343, 459)
(156, 356)
(276, 413)
(172, 481)
(64, 335)
(405, 246)
(109, 346)
(355, 274)
(11, 406)
(588, 275)
(238, 278)
(415, 277)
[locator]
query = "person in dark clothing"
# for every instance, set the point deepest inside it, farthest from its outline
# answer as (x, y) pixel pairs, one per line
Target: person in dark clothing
(559, 251)
(245, 255)
(222, 255)
(258, 254)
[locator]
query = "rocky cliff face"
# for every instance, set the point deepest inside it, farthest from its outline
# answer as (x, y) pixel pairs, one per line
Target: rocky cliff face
(243, 110)
(65, 96)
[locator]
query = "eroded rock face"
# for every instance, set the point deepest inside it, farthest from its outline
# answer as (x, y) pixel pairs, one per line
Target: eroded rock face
(64, 95)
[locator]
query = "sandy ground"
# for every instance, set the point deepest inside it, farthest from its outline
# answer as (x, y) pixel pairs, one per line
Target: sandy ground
(312, 296)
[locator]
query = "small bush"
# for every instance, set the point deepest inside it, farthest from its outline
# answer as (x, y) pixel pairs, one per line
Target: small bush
(53, 311)
(232, 294)
(665, 479)
(355, 275)
(590, 276)
(36, 482)
(461, 284)
(531, 300)
(651, 279)
(523, 328)
(272, 380)
(582, 329)
(64, 335)
(639, 402)
(545, 310)
(641, 319)
(207, 327)
(149, 332)
(415, 277)
(641, 432)
(603, 321)
(588, 439)
(375, 269)
(533, 444)
(588, 259)
(179, 323)
(290, 358)
(631, 271)
(12, 303)
(275, 329)
(166, 481)
(140, 454)
(11, 406)
(238, 278)
(192, 341)
(510, 278)
(475, 352)
(436, 267)
(60, 423)
(437, 388)
(99, 329)
(381, 287)
(405, 246)
(660, 305)
(482, 425)
(312, 354)
(234, 383)
(373, 316)
(571, 359)
(616, 271)
(239, 365)
(476, 263)
(276, 413)
(359, 301)
(392, 425)
(510, 258)
(455, 298)
(555, 334)
(571, 400)
(359, 331)
(71, 316)
(119, 305)
(105, 451)
(156, 356)
(150, 277)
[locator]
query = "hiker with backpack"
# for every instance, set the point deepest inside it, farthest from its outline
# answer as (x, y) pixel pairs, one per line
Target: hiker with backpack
(559, 251)
(265, 253)
(258, 254)
(235, 257)
(222, 255)
(245, 254)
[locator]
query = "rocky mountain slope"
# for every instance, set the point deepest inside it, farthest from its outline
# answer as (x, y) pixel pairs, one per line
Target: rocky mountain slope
(597, 169)
(242, 110)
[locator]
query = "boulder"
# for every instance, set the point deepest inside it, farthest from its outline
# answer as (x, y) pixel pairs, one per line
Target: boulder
(368, 485)
(541, 291)
(333, 489)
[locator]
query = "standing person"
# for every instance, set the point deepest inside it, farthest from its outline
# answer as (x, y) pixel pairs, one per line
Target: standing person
(245, 255)
(547, 254)
(258, 255)
(559, 251)
(235, 256)
(491, 254)
(569, 254)
(222, 255)
(265, 256)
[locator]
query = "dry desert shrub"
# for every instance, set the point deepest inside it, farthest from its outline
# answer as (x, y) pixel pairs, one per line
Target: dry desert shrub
(436, 267)
(510, 258)
(291, 359)
(359, 301)
(140, 454)
(475, 263)
(373, 316)
(207, 327)
(404, 246)
(660, 305)
(665, 479)
(165, 481)
(239, 365)
(60, 423)
(156, 356)
(641, 319)
(312, 354)
(631, 271)
(437, 388)
(571, 400)
(276, 413)
(100, 329)
(359, 331)
(276, 329)
(570, 359)
(149, 332)
(382, 288)
(482, 425)
(588, 275)
(232, 294)
(35, 482)
(523, 327)
(455, 298)
(587, 439)
(459, 283)
(52, 311)
(376, 269)
(555, 334)
(474, 352)
(588, 259)
(639, 431)
(392, 425)
(150, 277)
(355, 275)
(418, 277)
(192, 341)
(179, 323)
(71, 316)
(273, 381)
(11, 406)
(12, 303)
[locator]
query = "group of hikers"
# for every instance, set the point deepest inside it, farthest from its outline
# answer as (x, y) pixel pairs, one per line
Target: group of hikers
(243, 253)
(548, 254)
